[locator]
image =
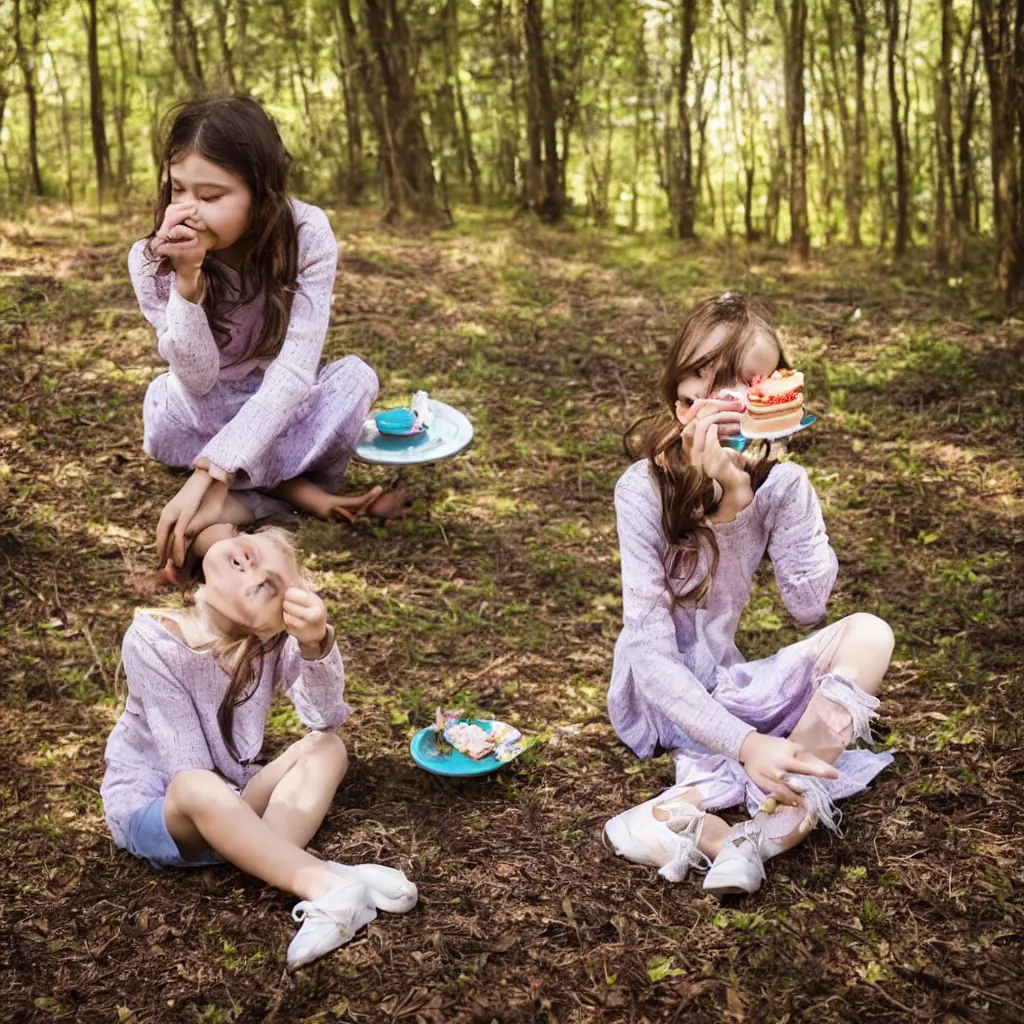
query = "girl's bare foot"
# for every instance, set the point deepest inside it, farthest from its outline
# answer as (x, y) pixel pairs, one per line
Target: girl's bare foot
(344, 506)
(312, 498)
(391, 505)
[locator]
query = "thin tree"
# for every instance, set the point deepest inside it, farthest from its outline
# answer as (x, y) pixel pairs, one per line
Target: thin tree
(948, 243)
(185, 47)
(403, 133)
(26, 56)
(221, 10)
(858, 140)
(897, 127)
(1002, 34)
(8, 55)
(794, 26)
(97, 124)
(353, 177)
(543, 178)
(968, 89)
(687, 185)
(466, 135)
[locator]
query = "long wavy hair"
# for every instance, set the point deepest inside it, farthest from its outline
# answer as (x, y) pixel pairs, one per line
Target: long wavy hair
(236, 133)
(238, 652)
(687, 493)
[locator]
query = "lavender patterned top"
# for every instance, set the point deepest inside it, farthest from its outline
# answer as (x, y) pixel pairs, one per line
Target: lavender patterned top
(170, 723)
(186, 343)
(669, 658)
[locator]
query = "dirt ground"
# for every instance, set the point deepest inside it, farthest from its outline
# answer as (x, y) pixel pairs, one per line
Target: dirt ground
(502, 594)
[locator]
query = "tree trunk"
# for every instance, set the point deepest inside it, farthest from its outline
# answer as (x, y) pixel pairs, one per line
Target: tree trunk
(506, 166)
(794, 27)
(26, 59)
(749, 141)
(370, 87)
(4, 93)
(389, 90)
(882, 188)
(967, 103)
(687, 184)
(639, 128)
(101, 153)
(857, 143)
(1002, 34)
(121, 112)
(852, 143)
(570, 84)
(240, 51)
(892, 24)
(544, 178)
(389, 34)
(914, 159)
(185, 48)
(353, 178)
(221, 9)
(948, 248)
(446, 143)
(597, 133)
(776, 187)
(65, 132)
(829, 172)
(468, 154)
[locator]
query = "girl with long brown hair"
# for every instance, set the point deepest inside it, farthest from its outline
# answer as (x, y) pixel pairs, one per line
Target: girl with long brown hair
(184, 786)
(237, 278)
(695, 518)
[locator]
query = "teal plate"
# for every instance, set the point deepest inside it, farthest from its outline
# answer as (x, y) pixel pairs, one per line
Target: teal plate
(738, 442)
(449, 434)
(423, 749)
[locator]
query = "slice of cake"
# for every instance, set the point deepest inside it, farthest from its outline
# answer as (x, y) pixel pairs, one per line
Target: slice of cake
(774, 404)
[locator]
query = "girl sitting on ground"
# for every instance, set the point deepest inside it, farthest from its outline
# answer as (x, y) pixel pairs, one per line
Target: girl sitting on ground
(695, 518)
(237, 280)
(184, 786)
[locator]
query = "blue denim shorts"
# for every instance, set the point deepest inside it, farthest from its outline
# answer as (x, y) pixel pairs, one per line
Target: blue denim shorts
(148, 837)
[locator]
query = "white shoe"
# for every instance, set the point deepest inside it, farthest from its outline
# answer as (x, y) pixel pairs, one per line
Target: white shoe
(329, 922)
(669, 845)
(389, 889)
(738, 868)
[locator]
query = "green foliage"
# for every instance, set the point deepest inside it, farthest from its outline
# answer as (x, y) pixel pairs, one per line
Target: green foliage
(614, 96)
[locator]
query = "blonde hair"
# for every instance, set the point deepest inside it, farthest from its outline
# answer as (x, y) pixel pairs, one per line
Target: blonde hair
(239, 653)
(687, 494)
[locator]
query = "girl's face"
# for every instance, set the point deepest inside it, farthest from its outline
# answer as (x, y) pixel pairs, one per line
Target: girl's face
(224, 200)
(246, 577)
(759, 357)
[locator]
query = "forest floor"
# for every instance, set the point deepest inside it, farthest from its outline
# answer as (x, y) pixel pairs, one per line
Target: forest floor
(502, 594)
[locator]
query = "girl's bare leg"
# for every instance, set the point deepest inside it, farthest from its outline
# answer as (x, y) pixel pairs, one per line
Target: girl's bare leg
(860, 655)
(293, 793)
(201, 810)
(309, 497)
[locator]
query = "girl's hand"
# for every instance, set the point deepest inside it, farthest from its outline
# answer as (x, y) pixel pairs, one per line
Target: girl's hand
(305, 618)
(707, 453)
(177, 527)
(768, 758)
(725, 414)
(688, 416)
(176, 214)
(180, 241)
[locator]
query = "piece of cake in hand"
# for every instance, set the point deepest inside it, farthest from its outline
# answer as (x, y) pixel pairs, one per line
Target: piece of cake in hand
(774, 404)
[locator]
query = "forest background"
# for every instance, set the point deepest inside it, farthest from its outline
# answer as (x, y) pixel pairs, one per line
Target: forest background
(879, 122)
(528, 196)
